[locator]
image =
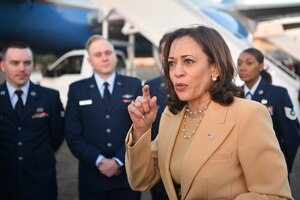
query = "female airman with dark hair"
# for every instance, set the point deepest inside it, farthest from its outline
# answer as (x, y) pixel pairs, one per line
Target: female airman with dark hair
(276, 99)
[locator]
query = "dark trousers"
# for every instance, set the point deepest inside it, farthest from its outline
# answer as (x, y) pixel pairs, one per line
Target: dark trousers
(158, 192)
(114, 194)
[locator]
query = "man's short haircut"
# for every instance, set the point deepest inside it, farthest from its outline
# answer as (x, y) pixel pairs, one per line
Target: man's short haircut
(14, 44)
(94, 38)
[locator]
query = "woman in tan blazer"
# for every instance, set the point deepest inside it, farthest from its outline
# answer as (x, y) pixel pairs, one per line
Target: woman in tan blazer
(211, 143)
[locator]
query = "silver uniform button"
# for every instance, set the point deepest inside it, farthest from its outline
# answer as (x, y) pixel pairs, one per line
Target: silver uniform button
(108, 130)
(107, 116)
(20, 143)
(20, 158)
(19, 128)
(109, 144)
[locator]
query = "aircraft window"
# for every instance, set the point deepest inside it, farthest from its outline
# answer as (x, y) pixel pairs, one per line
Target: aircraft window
(120, 63)
(71, 65)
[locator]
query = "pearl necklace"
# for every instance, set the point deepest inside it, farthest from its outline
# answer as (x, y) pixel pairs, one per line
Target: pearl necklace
(199, 113)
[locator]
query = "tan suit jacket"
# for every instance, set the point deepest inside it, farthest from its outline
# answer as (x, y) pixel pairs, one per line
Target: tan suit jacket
(234, 155)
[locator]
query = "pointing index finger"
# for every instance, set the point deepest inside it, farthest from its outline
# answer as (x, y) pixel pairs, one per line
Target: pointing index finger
(146, 91)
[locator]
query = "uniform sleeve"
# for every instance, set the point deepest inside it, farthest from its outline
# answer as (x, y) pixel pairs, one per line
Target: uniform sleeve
(287, 127)
(261, 158)
(57, 122)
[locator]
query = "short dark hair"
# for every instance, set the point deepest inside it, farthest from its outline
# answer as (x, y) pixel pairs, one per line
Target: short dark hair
(14, 44)
(213, 45)
(162, 41)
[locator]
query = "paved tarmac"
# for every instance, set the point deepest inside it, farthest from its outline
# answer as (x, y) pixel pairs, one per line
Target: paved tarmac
(67, 164)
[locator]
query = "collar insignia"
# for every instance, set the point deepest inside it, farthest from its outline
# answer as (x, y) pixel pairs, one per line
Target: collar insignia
(33, 93)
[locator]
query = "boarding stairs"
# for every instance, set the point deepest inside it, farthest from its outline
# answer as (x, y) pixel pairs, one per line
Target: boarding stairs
(153, 18)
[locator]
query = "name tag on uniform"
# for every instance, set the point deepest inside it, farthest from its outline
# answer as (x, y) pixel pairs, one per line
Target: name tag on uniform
(85, 102)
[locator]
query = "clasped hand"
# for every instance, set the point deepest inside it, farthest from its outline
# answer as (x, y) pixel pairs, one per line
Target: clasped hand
(142, 112)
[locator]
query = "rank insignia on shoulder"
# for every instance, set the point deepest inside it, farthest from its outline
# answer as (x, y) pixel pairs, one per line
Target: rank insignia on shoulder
(290, 113)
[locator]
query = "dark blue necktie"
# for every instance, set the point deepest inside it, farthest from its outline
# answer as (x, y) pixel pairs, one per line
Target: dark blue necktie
(106, 95)
(19, 105)
(248, 95)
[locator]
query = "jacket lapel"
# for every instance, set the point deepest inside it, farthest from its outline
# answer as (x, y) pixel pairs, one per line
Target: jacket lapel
(210, 135)
(116, 95)
(260, 91)
(169, 142)
(94, 93)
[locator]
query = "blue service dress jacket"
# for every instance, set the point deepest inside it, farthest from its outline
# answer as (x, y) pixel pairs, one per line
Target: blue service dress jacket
(284, 118)
(27, 146)
(93, 129)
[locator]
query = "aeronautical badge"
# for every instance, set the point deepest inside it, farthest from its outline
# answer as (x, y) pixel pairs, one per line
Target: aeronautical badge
(290, 113)
(2, 92)
(127, 98)
(40, 109)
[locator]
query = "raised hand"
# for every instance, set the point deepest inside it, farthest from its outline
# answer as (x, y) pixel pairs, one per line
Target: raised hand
(142, 113)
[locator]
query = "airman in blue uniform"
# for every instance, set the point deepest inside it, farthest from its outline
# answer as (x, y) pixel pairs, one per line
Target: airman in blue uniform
(30, 135)
(275, 98)
(97, 122)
